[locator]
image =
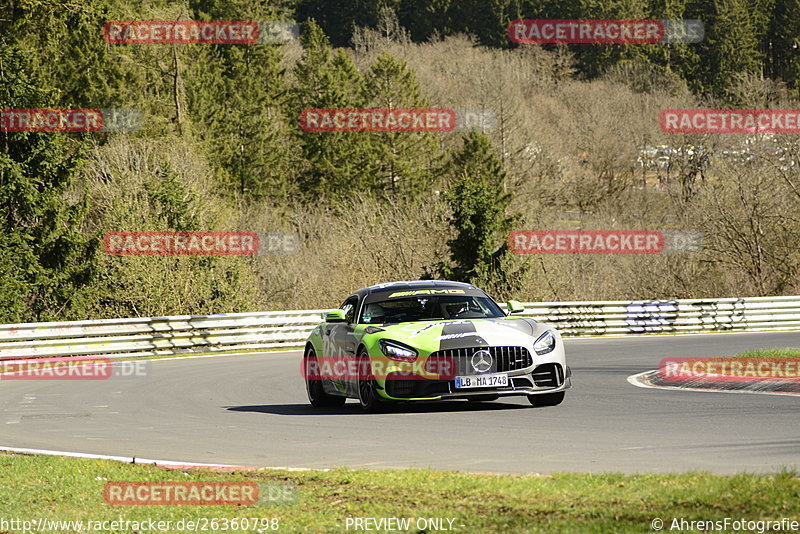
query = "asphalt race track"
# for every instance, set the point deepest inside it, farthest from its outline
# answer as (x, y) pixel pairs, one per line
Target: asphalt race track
(252, 410)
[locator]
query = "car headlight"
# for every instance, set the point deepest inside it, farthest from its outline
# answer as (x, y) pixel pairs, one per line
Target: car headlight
(396, 351)
(545, 343)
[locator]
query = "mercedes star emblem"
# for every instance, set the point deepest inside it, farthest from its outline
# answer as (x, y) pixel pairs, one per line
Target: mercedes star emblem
(481, 361)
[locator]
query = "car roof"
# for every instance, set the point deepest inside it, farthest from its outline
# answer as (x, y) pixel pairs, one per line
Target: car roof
(411, 285)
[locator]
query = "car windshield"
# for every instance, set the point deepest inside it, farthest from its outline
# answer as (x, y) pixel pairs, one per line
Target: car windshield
(430, 308)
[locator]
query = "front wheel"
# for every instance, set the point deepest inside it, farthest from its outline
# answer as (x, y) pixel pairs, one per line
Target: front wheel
(316, 393)
(548, 399)
(367, 395)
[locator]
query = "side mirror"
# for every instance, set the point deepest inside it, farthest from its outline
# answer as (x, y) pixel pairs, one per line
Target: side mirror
(335, 316)
(515, 306)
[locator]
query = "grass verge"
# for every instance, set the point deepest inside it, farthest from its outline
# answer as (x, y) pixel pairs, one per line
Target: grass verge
(72, 489)
(770, 353)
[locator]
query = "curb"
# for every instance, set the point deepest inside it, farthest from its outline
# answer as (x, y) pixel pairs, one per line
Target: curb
(652, 379)
(167, 464)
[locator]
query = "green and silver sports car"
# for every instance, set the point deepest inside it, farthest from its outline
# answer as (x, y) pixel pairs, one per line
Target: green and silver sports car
(431, 340)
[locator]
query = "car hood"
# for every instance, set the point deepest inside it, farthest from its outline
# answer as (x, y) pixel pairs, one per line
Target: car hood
(442, 335)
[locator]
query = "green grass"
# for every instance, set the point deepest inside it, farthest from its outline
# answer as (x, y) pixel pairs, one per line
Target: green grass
(770, 353)
(72, 489)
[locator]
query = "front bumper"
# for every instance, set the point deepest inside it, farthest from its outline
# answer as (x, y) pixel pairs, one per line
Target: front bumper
(545, 378)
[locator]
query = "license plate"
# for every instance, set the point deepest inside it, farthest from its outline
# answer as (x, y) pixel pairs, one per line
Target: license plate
(495, 380)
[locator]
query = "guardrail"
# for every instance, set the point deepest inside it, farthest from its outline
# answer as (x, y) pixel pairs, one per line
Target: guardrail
(265, 330)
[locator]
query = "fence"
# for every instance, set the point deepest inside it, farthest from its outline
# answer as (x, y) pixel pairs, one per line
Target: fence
(265, 330)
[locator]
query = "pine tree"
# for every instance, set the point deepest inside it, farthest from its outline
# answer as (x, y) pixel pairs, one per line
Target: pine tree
(731, 45)
(338, 18)
(406, 160)
(479, 251)
(337, 163)
(783, 42)
(238, 98)
(65, 53)
(45, 259)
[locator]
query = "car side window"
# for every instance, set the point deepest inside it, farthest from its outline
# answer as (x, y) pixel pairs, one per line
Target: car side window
(349, 308)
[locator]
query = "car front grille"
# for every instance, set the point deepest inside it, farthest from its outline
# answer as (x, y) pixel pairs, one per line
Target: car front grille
(504, 359)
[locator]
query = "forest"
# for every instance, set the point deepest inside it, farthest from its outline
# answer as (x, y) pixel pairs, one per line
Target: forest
(574, 143)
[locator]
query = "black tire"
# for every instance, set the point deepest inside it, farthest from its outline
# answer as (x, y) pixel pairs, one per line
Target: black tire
(316, 393)
(367, 395)
(547, 399)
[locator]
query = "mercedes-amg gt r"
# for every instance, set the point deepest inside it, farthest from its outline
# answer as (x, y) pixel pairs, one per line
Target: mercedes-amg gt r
(431, 340)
